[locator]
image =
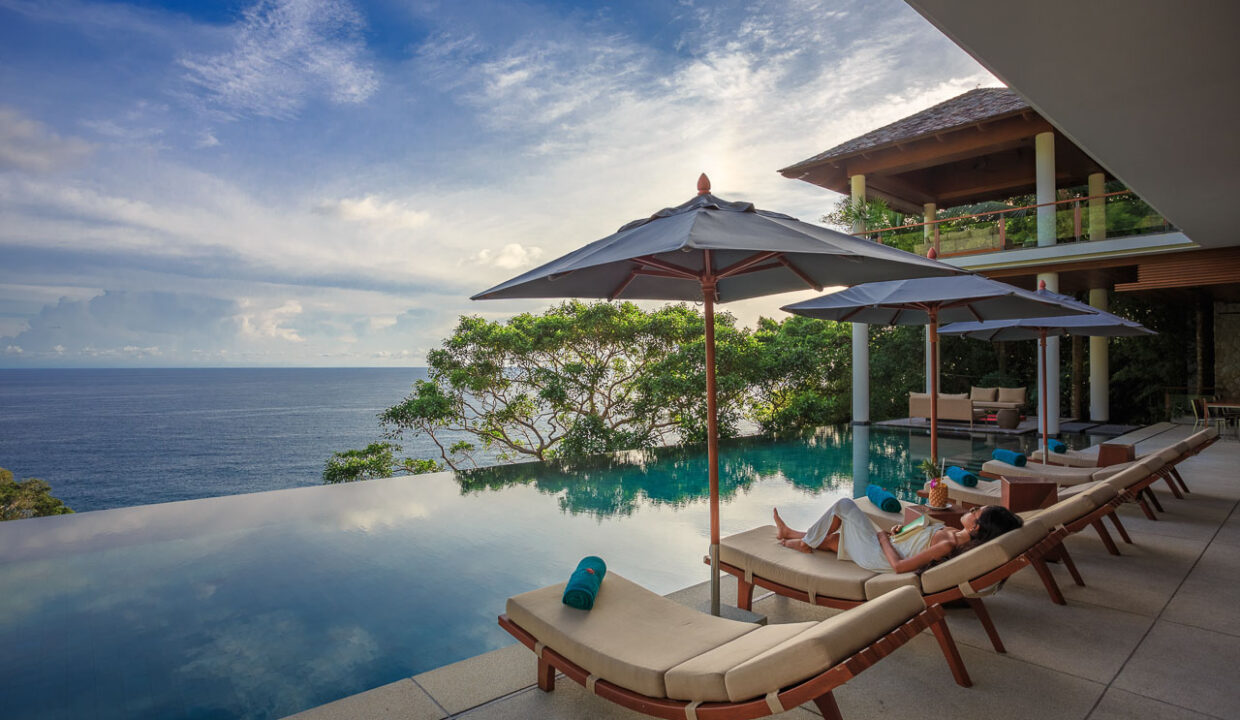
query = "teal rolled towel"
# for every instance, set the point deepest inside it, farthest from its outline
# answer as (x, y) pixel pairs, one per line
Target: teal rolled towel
(1011, 457)
(1057, 447)
(962, 476)
(883, 499)
(583, 584)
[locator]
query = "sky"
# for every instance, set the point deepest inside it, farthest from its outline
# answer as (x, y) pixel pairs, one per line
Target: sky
(327, 182)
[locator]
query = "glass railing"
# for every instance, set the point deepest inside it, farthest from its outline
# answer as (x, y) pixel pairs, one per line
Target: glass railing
(1121, 214)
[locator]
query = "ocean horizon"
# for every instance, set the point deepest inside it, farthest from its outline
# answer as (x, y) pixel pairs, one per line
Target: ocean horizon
(117, 437)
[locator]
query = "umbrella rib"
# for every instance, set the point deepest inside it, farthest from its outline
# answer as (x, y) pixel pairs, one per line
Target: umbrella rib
(783, 260)
(738, 267)
(624, 285)
(677, 270)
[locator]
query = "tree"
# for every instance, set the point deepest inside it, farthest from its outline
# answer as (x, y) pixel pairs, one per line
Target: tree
(28, 498)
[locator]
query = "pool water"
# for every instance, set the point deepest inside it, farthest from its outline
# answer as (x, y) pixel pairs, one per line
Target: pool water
(265, 604)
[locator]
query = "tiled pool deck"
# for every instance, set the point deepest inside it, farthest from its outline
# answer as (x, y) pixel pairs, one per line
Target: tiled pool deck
(1154, 634)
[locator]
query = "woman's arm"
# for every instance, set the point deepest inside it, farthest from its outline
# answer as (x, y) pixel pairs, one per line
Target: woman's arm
(936, 550)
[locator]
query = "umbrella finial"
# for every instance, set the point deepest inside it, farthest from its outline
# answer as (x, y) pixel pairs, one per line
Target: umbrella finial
(703, 184)
(1041, 284)
(932, 254)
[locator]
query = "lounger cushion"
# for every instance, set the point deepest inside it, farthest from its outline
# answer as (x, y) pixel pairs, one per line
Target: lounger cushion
(1068, 511)
(983, 394)
(982, 559)
(1059, 474)
(984, 493)
(1014, 395)
(820, 573)
(1132, 475)
(1069, 459)
(702, 677)
(631, 637)
(882, 520)
(822, 646)
(883, 583)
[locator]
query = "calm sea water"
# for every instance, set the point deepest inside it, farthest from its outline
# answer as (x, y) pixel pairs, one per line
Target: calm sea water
(115, 438)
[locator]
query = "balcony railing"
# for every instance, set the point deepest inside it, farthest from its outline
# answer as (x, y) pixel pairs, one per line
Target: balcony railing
(1124, 215)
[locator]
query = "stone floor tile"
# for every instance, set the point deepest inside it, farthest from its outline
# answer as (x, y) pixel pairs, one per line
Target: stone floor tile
(476, 680)
(401, 700)
(570, 701)
(1207, 599)
(1188, 667)
(1123, 705)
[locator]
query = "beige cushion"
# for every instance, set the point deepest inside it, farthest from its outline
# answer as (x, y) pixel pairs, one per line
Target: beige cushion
(1169, 454)
(983, 394)
(828, 643)
(702, 677)
(1067, 511)
(1100, 493)
(820, 572)
(1182, 447)
(883, 583)
(984, 493)
(1069, 459)
(882, 520)
(1057, 473)
(631, 637)
(953, 396)
(983, 558)
(1016, 395)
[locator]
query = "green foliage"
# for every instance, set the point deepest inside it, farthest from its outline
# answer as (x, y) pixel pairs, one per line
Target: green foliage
(27, 498)
(801, 377)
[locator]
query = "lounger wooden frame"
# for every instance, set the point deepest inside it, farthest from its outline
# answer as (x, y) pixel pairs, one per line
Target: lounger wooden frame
(819, 688)
(1048, 548)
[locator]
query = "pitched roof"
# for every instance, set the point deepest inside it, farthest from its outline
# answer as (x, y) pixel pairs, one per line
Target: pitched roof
(972, 107)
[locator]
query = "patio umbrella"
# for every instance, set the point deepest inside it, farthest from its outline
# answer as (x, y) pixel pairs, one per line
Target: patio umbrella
(713, 250)
(1096, 322)
(930, 301)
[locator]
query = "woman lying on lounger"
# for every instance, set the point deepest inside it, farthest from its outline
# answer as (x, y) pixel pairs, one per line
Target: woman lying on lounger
(846, 530)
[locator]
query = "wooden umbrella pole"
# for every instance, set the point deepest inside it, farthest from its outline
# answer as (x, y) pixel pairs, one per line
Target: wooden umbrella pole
(1045, 444)
(934, 386)
(712, 434)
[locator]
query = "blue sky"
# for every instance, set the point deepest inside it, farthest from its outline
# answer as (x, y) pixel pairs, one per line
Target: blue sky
(326, 182)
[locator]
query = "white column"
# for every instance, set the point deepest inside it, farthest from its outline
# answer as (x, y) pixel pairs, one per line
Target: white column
(928, 211)
(860, 335)
(1099, 366)
(861, 459)
(1099, 357)
(1052, 366)
(1044, 159)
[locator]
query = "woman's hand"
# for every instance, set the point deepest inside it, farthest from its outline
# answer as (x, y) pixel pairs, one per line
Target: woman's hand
(895, 529)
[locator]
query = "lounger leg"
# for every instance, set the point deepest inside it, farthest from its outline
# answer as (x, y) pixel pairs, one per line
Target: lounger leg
(1106, 537)
(1067, 562)
(744, 594)
(1052, 587)
(1120, 527)
(1154, 500)
(983, 615)
(828, 708)
(1145, 507)
(951, 652)
(1175, 489)
(1180, 479)
(546, 676)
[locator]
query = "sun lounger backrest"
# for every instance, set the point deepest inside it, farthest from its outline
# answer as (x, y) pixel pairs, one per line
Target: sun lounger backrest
(1062, 513)
(982, 559)
(1135, 474)
(1101, 493)
(821, 646)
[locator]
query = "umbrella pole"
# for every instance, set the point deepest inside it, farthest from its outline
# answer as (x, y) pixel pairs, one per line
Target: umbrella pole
(1046, 458)
(934, 386)
(712, 434)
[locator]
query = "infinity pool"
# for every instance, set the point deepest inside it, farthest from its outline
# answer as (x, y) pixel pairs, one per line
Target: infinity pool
(262, 605)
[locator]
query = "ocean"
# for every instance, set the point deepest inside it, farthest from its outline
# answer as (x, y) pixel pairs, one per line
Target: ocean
(121, 437)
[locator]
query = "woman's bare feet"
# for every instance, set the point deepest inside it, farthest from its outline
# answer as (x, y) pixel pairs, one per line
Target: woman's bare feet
(796, 544)
(781, 529)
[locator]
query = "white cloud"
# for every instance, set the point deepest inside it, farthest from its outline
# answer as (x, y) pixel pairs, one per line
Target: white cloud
(509, 257)
(269, 322)
(371, 209)
(13, 350)
(27, 144)
(284, 53)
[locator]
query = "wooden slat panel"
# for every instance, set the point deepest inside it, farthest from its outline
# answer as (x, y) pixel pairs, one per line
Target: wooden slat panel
(1206, 267)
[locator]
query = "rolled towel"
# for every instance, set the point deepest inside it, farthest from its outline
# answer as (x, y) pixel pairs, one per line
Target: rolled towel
(1056, 446)
(584, 583)
(962, 476)
(883, 499)
(1011, 457)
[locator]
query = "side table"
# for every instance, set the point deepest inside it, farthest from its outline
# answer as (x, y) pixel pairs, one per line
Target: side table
(949, 516)
(1020, 494)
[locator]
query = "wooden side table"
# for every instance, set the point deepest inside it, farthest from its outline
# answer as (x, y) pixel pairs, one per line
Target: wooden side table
(1021, 494)
(1115, 453)
(949, 516)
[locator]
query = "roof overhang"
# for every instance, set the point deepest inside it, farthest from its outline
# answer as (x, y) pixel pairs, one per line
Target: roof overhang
(1150, 94)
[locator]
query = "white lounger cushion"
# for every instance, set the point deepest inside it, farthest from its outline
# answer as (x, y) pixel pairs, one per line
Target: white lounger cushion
(820, 573)
(631, 637)
(704, 677)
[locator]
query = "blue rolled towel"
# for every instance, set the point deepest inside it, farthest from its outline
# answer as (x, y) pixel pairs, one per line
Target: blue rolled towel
(883, 499)
(1011, 457)
(584, 583)
(1056, 446)
(962, 476)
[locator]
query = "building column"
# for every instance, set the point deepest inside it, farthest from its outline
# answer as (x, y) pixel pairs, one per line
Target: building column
(1099, 354)
(1044, 161)
(928, 212)
(860, 335)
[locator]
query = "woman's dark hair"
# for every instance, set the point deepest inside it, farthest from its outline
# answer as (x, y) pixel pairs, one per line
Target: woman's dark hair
(993, 521)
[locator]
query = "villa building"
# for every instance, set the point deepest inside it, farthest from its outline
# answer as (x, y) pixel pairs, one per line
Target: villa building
(1118, 201)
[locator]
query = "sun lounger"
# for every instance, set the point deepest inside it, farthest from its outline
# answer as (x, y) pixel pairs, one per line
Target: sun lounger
(1144, 441)
(650, 654)
(757, 559)
(1061, 475)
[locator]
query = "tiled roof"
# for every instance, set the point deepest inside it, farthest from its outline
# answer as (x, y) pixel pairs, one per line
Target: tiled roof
(971, 107)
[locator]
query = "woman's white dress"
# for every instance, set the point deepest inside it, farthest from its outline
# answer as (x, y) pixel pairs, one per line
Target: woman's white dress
(859, 537)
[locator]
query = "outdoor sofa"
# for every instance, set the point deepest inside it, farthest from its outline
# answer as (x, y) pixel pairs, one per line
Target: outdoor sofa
(647, 653)
(951, 407)
(997, 398)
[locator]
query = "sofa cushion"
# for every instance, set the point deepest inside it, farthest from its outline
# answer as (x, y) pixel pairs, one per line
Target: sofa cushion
(631, 637)
(826, 644)
(1016, 395)
(702, 677)
(820, 573)
(983, 394)
(982, 559)
(953, 396)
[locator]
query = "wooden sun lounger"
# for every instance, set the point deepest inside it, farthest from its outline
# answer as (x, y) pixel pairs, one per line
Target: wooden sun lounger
(822, 578)
(647, 653)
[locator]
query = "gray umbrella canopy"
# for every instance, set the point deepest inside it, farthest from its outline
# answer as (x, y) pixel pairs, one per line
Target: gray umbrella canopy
(1096, 323)
(929, 301)
(712, 250)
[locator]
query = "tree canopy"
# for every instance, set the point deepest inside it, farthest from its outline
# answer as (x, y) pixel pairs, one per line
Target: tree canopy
(27, 498)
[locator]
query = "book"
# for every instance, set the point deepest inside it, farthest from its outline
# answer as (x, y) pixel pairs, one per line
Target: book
(913, 524)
